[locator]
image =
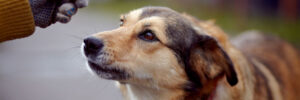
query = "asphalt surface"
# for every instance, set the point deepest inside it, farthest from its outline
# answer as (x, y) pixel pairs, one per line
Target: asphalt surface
(49, 65)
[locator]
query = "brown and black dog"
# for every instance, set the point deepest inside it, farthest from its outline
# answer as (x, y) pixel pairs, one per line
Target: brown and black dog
(159, 54)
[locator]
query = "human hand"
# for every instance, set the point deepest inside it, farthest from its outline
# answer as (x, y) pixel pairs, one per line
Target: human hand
(47, 12)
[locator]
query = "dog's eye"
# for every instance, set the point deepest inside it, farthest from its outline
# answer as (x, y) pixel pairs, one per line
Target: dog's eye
(148, 36)
(122, 22)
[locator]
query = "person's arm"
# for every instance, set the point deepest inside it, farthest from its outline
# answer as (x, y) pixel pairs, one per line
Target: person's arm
(16, 19)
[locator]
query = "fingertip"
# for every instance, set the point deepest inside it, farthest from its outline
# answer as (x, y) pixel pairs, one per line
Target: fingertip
(62, 18)
(68, 9)
(82, 3)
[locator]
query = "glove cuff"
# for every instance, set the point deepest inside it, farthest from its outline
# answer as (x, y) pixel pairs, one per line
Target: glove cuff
(16, 19)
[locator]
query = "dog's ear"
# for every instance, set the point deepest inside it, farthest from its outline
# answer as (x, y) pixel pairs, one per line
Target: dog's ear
(209, 61)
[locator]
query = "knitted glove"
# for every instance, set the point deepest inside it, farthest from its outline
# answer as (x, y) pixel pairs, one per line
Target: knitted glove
(47, 12)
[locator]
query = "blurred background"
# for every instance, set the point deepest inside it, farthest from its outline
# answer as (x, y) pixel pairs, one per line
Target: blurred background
(49, 66)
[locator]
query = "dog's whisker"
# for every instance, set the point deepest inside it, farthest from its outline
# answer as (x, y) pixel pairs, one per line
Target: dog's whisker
(74, 47)
(76, 37)
(77, 42)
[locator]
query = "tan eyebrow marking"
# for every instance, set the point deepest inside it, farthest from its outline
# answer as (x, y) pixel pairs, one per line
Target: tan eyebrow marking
(147, 25)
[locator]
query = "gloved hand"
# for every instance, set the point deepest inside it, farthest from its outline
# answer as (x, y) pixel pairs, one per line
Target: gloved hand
(47, 12)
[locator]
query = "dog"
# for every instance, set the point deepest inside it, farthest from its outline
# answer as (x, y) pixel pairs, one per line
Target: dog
(160, 54)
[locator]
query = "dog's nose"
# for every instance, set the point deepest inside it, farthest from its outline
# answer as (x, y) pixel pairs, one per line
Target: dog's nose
(92, 45)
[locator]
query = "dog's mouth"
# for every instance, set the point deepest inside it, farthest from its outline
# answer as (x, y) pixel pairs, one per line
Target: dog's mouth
(108, 71)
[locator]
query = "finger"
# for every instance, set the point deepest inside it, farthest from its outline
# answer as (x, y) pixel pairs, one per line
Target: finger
(81, 3)
(67, 9)
(60, 17)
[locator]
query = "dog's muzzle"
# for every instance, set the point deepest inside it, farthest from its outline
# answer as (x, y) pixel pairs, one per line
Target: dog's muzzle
(99, 61)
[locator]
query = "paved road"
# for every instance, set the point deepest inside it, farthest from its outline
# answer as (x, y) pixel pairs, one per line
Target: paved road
(49, 66)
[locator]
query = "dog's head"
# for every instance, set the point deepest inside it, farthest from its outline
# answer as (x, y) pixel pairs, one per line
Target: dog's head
(156, 46)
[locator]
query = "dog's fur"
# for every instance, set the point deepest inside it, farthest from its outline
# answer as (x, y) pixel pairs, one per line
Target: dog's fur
(194, 60)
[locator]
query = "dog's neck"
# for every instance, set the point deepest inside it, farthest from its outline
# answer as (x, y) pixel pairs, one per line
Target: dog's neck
(137, 92)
